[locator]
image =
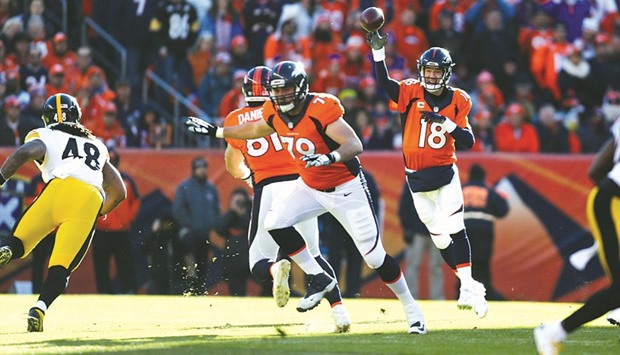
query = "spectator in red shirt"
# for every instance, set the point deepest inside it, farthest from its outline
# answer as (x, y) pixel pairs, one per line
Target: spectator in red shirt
(57, 83)
(110, 131)
(59, 53)
(514, 134)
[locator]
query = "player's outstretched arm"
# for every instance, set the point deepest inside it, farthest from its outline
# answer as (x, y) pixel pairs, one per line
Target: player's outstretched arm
(114, 188)
(33, 150)
(235, 165)
(248, 130)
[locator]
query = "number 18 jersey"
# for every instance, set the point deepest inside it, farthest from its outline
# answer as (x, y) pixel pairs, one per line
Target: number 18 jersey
(428, 144)
(70, 156)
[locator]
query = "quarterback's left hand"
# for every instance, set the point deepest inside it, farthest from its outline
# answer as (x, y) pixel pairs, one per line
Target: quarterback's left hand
(429, 116)
(318, 159)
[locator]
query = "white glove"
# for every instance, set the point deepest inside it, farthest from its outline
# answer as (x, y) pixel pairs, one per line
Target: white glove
(318, 159)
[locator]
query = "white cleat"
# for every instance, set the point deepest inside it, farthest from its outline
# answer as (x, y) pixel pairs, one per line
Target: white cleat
(415, 319)
(281, 289)
(614, 317)
(472, 297)
(546, 344)
(341, 319)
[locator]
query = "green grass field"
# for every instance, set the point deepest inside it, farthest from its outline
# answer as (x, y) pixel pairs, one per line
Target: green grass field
(227, 325)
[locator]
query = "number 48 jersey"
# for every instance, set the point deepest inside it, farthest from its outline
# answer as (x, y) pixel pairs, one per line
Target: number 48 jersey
(428, 144)
(70, 156)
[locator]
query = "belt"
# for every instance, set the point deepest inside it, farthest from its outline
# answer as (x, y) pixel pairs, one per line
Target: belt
(332, 189)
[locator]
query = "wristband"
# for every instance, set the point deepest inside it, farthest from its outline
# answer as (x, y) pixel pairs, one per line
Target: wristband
(449, 125)
(378, 54)
(335, 156)
(247, 173)
(219, 132)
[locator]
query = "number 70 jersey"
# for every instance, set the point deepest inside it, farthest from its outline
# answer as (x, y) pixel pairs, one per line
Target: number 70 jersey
(70, 156)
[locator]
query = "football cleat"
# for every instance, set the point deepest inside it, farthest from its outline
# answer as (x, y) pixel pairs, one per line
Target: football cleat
(281, 289)
(614, 317)
(415, 318)
(546, 343)
(341, 318)
(6, 253)
(318, 286)
(472, 297)
(35, 320)
(417, 328)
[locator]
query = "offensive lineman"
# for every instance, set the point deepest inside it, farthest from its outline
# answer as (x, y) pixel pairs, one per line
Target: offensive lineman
(433, 118)
(273, 172)
(325, 148)
(81, 185)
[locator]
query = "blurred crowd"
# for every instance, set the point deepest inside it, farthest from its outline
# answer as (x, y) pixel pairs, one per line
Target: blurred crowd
(543, 75)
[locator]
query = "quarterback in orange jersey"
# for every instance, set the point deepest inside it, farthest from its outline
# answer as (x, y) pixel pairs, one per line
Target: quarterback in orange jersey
(325, 147)
(273, 172)
(434, 118)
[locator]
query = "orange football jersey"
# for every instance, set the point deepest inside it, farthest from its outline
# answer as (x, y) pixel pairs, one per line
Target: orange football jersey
(307, 136)
(428, 144)
(266, 156)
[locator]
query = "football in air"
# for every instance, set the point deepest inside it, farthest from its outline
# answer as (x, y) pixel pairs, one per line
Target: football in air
(372, 19)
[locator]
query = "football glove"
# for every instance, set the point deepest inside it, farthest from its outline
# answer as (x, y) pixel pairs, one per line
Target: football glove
(318, 159)
(196, 125)
(431, 117)
(375, 41)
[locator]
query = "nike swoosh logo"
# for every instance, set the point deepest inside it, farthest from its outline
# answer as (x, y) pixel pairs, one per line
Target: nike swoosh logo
(347, 194)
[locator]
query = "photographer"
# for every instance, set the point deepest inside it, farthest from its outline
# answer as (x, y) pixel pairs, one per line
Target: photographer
(233, 227)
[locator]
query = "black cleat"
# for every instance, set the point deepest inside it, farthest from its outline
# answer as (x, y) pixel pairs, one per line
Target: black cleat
(6, 253)
(318, 286)
(35, 320)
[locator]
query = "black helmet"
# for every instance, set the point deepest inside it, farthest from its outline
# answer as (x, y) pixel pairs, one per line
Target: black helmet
(435, 57)
(255, 84)
(60, 108)
(288, 74)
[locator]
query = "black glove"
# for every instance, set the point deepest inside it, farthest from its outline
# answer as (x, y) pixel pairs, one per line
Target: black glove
(375, 41)
(429, 116)
(196, 125)
(318, 159)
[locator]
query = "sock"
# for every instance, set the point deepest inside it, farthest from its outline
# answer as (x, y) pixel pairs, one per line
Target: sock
(392, 275)
(54, 285)
(262, 270)
(41, 305)
(464, 274)
(334, 296)
(461, 251)
(448, 256)
(556, 331)
(291, 242)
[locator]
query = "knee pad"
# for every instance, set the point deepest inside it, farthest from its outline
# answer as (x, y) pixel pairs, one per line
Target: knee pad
(441, 241)
(375, 258)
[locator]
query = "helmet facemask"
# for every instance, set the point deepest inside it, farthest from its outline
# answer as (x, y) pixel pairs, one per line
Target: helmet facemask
(285, 102)
(438, 58)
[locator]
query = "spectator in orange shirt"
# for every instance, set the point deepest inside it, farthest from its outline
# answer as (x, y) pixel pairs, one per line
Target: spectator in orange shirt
(233, 98)
(200, 57)
(286, 44)
(59, 53)
(158, 131)
(113, 239)
(331, 79)
(324, 43)
(514, 134)
(485, 87)
(57, 83)
(482, 127)
(546, 58)
(410, 39)
(82, 70)
(355, 65)
(110, 131)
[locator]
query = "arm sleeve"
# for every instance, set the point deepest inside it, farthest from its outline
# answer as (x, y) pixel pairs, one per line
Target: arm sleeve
(391, 86)
(463, 136)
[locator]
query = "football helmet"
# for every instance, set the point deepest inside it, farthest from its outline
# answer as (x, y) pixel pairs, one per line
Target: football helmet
(288, 74)
(435, 57)
(255, 84)
(61, 108)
